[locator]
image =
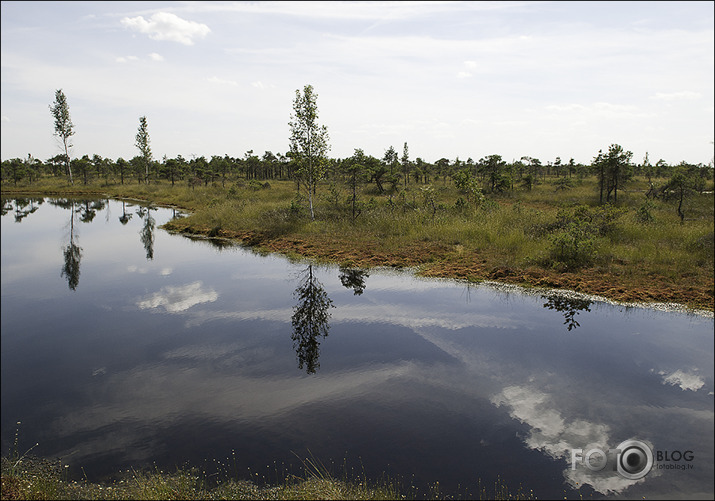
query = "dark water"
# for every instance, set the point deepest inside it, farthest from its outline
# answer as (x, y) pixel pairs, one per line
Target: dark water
(124, 345)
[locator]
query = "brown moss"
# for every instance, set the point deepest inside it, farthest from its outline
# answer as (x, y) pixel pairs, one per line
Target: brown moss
(620, 282)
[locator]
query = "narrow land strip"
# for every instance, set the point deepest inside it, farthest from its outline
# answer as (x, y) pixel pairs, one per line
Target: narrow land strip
(636, 264)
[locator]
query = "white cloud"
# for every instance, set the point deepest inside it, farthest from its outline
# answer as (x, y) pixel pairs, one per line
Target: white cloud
(468, 67)
(5, 118)
(551, 433)
(153, 56)
(167, 26)
(179, 298)
(126, 59)
(237, 396)
(686, 381)
(371, 66)
(222, 81)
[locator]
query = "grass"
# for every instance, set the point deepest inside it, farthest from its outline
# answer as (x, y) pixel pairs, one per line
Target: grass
(511, 237)
(25, 476)
(35, 478)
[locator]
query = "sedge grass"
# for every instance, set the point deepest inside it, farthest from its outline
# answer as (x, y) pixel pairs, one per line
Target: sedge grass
(37, 478)
(513, 230)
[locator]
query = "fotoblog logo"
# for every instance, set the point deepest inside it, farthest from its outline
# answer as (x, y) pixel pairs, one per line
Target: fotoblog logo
(632, 459)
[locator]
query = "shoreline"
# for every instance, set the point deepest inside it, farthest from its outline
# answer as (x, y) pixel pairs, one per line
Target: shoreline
(589, 283)
(621, 284)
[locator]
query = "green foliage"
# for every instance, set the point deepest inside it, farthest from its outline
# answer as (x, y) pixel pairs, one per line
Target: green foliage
(564, 183)
(703, 247)
(428, 196)
(142, 143)
(685, 181)
(613, 170)
(573, 246)
(644, 213)
(489, 205)
(256, 185)
(541, 228)
(460, 204)
(308, 141)
(527, 182)
(357, 171)
(467, 184)
(13, 169)
(573, 243)
(598, 221)
(64, 128)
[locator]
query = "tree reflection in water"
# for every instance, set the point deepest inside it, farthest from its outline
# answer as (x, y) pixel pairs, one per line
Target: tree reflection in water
(310, 320)
(21, 207)
(353, 278)
(124, 218)
(570, 307)
(72, 254)
(88, 209)
(147, 231)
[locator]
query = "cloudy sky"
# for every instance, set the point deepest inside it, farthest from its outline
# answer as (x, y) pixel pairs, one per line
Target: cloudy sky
(451, 79)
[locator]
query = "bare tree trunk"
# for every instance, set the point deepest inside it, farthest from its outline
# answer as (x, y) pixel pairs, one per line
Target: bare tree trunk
(67, 161)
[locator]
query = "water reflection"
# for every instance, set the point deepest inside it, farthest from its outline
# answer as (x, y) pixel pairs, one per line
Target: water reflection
(176, 299)
(353, 278)
(553, 430)
(88, 209)
(23, 207)
(147, 231)
(218, 244)
(310, 320)
(72, 254)
(125, 217)
(414, 378)
(569, 306)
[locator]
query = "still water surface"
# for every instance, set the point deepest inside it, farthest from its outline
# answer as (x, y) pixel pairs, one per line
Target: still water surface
(124, 345)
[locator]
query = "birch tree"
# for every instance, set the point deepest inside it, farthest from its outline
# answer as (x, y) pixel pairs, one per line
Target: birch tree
(308, 141)
(64, 128)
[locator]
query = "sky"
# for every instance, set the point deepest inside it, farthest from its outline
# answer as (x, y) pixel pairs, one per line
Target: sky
(450, 79)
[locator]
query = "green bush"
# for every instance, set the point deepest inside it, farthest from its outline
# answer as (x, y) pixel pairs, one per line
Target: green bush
(573, 247)
(255, 185)
(644, 213)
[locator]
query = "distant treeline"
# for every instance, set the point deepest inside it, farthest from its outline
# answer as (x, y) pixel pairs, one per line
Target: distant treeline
(389, 173)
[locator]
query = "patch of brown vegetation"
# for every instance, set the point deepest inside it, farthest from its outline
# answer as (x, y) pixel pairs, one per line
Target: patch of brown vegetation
(432, 259)
(11, 488)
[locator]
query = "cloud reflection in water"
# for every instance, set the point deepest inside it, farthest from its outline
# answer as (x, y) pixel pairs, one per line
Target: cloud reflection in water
(176, 299)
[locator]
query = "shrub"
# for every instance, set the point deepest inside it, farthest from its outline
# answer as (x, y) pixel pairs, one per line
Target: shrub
(644, 213)
(599, 220)
(564, 183)
(573, 247)
(255, 185)
(703, 246)
(460, 204)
